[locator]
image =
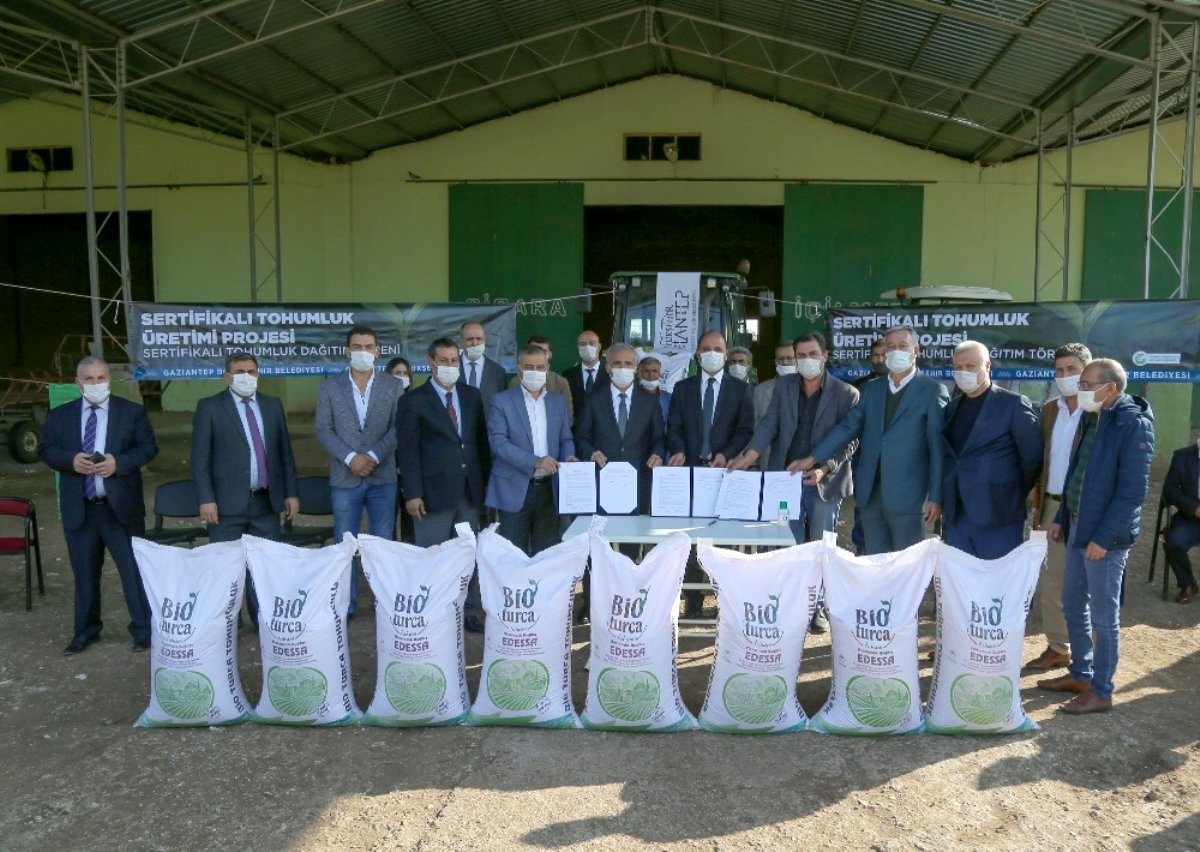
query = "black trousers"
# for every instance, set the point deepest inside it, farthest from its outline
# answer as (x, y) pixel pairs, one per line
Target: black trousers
(1182, 536)
(535, 526)
(85, 547)
(261, 521)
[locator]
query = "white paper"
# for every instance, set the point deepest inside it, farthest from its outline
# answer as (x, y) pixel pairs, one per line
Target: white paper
(738, 499)
(618, 488)
(577, 488)
(778, 486)
(706, 488)
(671, 492)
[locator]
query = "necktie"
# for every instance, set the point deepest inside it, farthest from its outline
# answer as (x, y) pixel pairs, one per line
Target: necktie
(260, 449)
(473, 380)
(587, 384)
(89, 447)
(622, 415)
(710, 404)
(450, 410)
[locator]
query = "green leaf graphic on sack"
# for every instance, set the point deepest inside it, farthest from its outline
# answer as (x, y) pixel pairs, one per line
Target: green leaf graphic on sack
(414, 688)
(754, 699)
(184, 695)
(630, 696)
(877, 701)
(516, 685)
(981, 700)
(298, 691)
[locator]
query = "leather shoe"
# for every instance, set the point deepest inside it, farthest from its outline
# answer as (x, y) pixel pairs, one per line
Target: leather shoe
(819, 623)
(79, 644)
(1087, 702)
(1049, 660)
(1187, 593)
(140, 645)
(473, 624)
(1066, 683)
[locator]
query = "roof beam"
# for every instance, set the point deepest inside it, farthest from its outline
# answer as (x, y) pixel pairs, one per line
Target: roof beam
(40, 56)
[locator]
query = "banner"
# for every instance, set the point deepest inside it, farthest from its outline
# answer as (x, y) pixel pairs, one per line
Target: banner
(1156, 341)
(171, 341)
(677, 312)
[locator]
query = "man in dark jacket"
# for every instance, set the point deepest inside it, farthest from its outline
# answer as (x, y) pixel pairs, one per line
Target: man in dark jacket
(1099, 518)
(1182, 490)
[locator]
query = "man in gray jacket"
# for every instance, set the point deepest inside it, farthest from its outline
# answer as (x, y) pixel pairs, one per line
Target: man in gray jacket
(356, 424)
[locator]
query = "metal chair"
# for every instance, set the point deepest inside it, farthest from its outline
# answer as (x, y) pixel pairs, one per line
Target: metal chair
(1160, 531)
(315, 499)
(178, 499)
(27, 544)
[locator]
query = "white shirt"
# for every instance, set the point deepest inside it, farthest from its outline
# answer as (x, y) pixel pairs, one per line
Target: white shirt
(362, 400)
(101, 434)
(616, 401)
(894, 388)
(241, 410)
(1062, 437)
(535, 409)
(593, 372)
(704, 377)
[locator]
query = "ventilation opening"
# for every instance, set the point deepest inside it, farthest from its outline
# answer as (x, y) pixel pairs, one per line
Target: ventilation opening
(58, 158)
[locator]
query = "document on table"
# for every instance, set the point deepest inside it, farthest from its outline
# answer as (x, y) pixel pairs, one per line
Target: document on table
(671, 492)
(618, 488)
(577, 488)
(706, 488)
(780, 486)
(738, 499)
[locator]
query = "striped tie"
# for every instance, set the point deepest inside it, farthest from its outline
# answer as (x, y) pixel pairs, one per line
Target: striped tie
(89, 447)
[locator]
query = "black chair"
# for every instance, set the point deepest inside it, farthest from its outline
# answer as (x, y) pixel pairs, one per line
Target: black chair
(177, 499)
(1161, 526)
(315, 500)
(27, 544)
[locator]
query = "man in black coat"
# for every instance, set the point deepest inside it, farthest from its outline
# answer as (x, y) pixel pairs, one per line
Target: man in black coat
(1182, 490)
(478, 370)
(98, 445)
(588, 376)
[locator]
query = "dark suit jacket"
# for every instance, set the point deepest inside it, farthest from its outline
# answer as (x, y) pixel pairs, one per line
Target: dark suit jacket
(221, 453)
(435, 464)
(733, 420)
(129, 439)
(492, 381)
(998, 464)
(574, 376)
(1180, 489)
(596, 429)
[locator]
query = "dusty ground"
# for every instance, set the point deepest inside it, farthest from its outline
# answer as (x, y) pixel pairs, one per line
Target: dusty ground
(76, 775)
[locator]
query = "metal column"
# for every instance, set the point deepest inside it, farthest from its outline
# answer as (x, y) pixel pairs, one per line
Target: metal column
(90, 202)
(262, 195)
(1051, 258)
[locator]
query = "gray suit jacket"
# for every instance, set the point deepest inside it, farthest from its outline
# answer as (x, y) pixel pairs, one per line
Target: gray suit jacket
(337, 428)
(778, 426)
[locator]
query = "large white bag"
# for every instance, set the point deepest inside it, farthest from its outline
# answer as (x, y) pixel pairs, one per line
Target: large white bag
(873, 602)
(982, 606)
(632, 680)
(303, 595)
(419, 594)
(765, 602)
(526, 678)
(194, 596)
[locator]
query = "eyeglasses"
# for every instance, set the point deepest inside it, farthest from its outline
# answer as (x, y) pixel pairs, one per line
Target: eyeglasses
(1090, 386)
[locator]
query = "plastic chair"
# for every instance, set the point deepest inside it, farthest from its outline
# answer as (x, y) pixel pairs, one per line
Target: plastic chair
(1160, 532)
(177, 499)
(28, 544)
(315, 499)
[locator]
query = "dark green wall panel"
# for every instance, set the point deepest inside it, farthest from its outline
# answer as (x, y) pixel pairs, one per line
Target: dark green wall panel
(1114, 244)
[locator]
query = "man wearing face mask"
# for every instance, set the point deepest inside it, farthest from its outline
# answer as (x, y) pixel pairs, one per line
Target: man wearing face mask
(356, 424)
(242, 461)
(993, 457)
(1099, 518)
(738, 364)
(649, 371)
(588, 376)
(478, 370)
(98, 445)
(898, 423)
(1060, 420)
(785, 365)
(530, 434)
(555, 382)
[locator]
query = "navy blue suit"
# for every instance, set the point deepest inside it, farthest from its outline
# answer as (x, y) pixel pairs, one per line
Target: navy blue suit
(575, 379)
(733, 419)
(1181, 489)
(596, 429)
(89, 526)
(986, 481)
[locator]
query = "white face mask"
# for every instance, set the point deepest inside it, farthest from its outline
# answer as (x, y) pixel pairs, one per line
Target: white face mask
(474, 352)
(622, 377)
(588, 353)
(712, 362)
(810, 368)
(652, 384)
(739, 371)
(533, 380)
(447, 376)
(785, 369)
(97, 393)
(362, 361)
(898, 361)
(1067, 385)
(1088, 402)
(405, 381)
(244, 384)
(967, 381)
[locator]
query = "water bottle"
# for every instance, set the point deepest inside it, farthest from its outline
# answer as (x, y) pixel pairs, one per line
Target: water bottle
(783, 519)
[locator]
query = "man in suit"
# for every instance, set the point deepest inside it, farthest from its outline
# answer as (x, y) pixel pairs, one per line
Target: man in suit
(804, 409)
(98, 445)
(898, 423)
(356, 424)
(738, 363)
(878, 369)
(588, 375)
(650, 378)
(530, 433)
(1182, 490)
(1059, 423)
(554, 381)
(993, 458)
(478, 370)
(242, 461)
(442, 448)
(785, 365)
